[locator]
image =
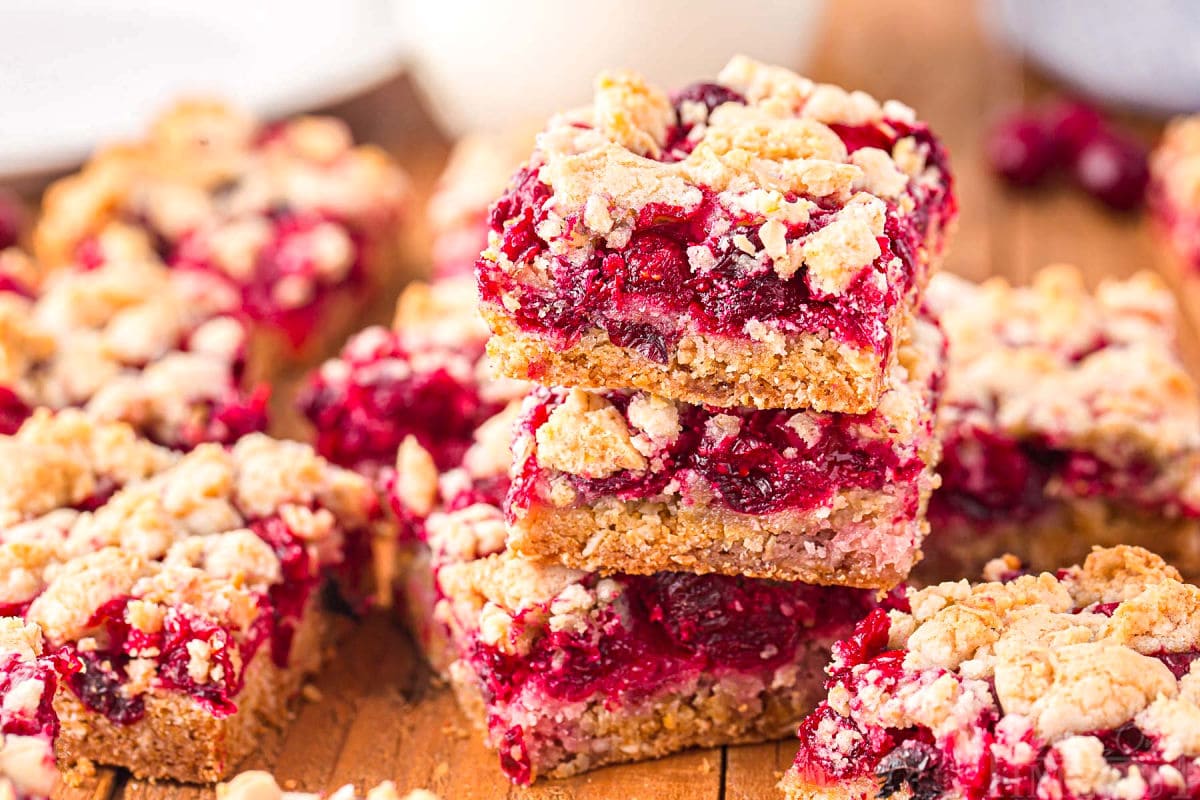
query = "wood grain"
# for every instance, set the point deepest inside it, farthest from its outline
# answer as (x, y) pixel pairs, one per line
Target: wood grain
(379, 715)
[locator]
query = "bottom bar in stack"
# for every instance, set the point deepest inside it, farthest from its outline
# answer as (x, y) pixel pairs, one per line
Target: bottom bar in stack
(567, 670)
(1067, 421)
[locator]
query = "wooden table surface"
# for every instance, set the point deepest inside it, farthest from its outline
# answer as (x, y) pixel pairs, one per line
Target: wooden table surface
(377, 715)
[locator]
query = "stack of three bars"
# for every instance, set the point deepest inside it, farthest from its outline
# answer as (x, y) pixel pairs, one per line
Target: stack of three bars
(662, 559)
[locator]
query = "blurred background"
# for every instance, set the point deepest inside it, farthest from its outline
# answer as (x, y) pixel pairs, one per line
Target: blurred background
(413, 76)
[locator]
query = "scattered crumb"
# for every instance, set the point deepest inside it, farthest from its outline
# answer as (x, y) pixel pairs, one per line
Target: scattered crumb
(706, 766)
(291, 784)
(441, 770)
(311, 693)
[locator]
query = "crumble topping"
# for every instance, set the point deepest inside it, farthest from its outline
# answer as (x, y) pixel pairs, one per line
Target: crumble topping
(1011, 677)
(586, 435)
(204, 163)
(1057, 369)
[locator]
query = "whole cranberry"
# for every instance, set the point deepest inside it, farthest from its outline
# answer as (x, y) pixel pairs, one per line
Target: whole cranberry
(710, 94)
(1072, 124)
(1113, 169)
(12, 219)
(1021, 150)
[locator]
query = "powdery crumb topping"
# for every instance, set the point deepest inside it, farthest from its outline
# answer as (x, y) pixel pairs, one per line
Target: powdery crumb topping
(765, 158)
(179, 538)
(586, 435)
(62, 459)
(178, 178)
(27, 765)
(259, 785)
(1068, 655)
(1079, 371)
(1030, 675)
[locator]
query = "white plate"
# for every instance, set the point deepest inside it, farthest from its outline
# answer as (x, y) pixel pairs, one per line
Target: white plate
(77, 72)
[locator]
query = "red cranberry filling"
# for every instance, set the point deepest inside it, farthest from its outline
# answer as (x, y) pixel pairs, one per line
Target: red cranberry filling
(989, 476)
(285, 256)
(639, 294)
(13, 411)
(765, 468)
(675, 623)
(362, 420)
(15, 671)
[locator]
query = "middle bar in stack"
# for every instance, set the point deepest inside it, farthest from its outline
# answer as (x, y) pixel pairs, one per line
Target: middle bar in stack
(732, 278)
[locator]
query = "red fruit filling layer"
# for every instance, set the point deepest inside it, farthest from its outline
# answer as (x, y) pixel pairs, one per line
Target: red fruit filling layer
(639, 294)
(101, 682)
(767, 467)
(988, 476)
(15, 671)
(286, 255)
(911, 759)
(361, 419)
(675, 626)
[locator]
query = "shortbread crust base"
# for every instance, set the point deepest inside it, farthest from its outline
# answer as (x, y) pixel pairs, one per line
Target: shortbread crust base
(870, 541)
(812, 372)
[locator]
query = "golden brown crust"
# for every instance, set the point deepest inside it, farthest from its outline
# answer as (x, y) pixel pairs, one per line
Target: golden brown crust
(643, 538)
(811, 372)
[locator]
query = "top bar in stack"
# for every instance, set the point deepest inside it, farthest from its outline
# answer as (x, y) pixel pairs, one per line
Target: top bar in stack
(758, 241)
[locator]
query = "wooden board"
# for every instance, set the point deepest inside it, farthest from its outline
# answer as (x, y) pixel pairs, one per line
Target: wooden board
(379, 716)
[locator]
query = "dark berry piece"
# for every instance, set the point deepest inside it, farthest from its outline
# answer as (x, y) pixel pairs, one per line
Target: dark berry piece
(1072, 124)
(1113, 169)
(1020, 150)
(710, 94)
(915, 765)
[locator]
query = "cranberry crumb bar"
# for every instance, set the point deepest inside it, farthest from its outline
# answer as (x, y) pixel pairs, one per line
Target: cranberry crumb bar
(133, 341)
(426, 377)
(566, 670)
(476, 173)
(1067, 420)
(28, 725)
(292, 216)
(628, 481)
(180, 591)
(1175, 186)
(757, 241)
(1078, 684)
(258, 785)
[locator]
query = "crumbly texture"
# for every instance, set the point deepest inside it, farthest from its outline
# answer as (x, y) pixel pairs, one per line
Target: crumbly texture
(172, 583)
(128, 339)
(863, 537)
(467, 592)
(259, 785)
(1055, 395)
(1175, 186)
(180, 740)
(872, 541)
(758, 159)
(1021, 678)
(293, 217)
(799, 371)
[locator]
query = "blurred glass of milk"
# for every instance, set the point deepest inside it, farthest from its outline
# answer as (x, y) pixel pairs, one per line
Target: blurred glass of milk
(486, 65)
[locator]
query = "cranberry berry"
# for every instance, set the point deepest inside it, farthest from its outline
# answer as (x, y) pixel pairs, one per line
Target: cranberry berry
(1021, 150)
(1073, 125)
(1113, 169)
